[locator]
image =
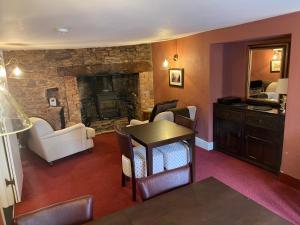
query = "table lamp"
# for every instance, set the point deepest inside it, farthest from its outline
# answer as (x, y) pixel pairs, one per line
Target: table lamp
(282, 88)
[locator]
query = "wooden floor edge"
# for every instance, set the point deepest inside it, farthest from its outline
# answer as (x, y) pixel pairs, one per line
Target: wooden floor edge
(291, 181)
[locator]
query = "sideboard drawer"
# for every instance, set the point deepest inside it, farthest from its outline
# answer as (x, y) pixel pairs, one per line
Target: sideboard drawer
(262, 121)
(230, 115)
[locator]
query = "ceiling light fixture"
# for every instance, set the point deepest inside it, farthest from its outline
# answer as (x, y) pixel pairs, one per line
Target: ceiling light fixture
(62, 30)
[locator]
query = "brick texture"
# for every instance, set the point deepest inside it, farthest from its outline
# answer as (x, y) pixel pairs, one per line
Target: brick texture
(44, 69)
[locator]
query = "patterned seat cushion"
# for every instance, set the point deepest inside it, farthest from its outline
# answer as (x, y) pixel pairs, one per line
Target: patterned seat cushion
(175, 155)
(140, 162)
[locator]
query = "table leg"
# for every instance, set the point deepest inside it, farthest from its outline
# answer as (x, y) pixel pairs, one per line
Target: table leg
(149, 160)
(192, 157)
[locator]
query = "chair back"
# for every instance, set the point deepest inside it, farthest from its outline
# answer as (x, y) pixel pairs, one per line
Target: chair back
(125, 143)
(73, 212)
(163, 182)
(186, 122)
(40, 127)
(167, 115)
(161, 107)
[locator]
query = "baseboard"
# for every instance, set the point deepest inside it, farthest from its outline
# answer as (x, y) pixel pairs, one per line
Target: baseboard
(291, 181)
(204, 144)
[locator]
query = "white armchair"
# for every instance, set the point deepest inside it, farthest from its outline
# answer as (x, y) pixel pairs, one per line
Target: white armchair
(52, 145)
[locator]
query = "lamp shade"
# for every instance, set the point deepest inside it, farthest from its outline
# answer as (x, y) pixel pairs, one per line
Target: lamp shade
(12, 118)
(282, 86)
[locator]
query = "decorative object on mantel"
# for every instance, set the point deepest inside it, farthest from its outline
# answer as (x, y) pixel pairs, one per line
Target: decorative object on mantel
(176, 77)
(53, 96)
(52, 102)
(282, 88)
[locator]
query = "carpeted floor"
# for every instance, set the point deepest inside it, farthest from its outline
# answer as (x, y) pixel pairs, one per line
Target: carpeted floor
(99, 173)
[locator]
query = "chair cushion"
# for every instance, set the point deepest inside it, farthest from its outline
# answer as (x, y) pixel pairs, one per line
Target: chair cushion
(140, 162)
(175, 155)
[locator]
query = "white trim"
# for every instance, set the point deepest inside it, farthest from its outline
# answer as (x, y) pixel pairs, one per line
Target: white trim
(204, 144)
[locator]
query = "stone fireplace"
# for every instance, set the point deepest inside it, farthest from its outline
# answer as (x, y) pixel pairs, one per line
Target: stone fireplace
(69, 70)
(108, 97)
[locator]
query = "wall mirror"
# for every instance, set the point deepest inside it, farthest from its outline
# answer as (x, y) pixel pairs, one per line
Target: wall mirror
(268, 62)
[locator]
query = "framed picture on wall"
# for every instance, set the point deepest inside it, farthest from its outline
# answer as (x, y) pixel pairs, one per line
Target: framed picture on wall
(176, 77)
(275, 66)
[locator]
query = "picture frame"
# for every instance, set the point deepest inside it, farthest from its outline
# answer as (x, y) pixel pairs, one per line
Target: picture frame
(275, 66)
(176, 77)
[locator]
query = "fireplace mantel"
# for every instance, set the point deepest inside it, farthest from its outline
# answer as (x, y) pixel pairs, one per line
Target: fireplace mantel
(91, 70)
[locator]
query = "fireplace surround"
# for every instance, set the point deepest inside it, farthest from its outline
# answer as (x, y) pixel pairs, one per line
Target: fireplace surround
(108, 96)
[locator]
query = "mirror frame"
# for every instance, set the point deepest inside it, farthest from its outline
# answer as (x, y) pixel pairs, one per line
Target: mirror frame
(281, 42)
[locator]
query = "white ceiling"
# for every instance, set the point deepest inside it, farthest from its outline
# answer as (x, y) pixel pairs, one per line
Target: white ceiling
(31, 24)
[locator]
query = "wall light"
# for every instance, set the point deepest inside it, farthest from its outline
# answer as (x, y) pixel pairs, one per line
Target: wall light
(16, 72)
(277, 54)
(165, 64)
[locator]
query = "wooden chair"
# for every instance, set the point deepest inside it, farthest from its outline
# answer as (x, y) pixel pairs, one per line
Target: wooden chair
(163, 182)
(186, 122)
(134, 164)
(73, 212)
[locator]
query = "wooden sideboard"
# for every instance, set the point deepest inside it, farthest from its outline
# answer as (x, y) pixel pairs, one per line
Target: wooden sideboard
(251, 135)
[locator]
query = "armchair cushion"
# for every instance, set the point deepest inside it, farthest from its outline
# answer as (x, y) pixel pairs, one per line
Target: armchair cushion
(90, 132)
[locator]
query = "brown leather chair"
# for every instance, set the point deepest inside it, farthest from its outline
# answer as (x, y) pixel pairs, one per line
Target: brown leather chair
(126, 149)
(186, 122)
(163, 182)
(162, 107)
(72, 212)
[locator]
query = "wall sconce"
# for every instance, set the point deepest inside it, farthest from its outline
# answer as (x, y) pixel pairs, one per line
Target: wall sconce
(277, 52)
(16, 72)
(165, 63)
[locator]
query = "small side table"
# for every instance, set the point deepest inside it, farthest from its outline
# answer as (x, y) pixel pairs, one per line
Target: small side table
(147, 113)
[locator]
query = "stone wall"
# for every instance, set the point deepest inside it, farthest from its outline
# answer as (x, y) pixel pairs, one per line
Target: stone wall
(44, 69)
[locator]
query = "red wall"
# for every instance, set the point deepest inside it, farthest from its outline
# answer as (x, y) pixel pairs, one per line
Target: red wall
(205, 80)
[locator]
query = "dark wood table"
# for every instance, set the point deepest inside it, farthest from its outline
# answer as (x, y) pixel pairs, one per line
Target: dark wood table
(208, 202)
(160, 133)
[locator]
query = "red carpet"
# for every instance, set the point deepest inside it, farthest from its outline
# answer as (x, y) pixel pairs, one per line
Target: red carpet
(99, 174)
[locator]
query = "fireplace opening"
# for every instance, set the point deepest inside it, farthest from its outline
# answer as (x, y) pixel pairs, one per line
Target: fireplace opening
(108, 97)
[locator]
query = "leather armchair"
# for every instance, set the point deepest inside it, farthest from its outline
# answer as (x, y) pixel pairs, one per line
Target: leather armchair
(163, 182)
(52, 145)
(73, 212)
